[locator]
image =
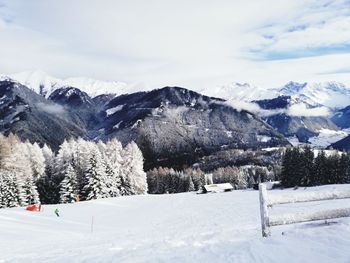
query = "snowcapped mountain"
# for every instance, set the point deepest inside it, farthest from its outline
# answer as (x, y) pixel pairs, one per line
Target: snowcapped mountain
(174, 125)
(171, 125)
(240, 92)
(333, 95)
(300, 110)
(44, 84)
(294, 118)
(32, 117)
(330, 94)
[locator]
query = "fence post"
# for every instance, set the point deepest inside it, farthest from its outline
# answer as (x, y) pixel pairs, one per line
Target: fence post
(264, 213)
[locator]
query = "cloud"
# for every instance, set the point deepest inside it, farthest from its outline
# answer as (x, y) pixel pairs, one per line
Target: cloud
(243, 105)
(296, 110)
(53, 108)
(189, 43)
(302, 110)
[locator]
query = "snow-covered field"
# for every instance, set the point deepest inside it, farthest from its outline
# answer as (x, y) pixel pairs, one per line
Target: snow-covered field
(223, 227)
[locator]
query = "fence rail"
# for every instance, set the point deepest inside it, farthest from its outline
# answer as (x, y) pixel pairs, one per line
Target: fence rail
(284, 219)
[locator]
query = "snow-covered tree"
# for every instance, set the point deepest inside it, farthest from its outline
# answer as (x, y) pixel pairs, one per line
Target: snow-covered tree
(30, 190)
(36, 158)
(113, 181)
(12, 190)
(95, 178)
(69, 186)
(133, 173)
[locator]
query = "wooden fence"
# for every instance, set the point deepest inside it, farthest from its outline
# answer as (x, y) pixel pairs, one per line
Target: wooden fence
(266, 203)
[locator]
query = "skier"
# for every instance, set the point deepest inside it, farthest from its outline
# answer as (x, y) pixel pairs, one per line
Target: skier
(56, 212)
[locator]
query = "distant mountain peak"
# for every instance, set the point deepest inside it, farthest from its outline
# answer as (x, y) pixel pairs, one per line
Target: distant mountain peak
(44, 84)
(292, 87)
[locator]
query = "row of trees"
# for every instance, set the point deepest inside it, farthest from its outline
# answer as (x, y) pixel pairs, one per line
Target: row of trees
(80, 169)
(167, 180)
(300, 167)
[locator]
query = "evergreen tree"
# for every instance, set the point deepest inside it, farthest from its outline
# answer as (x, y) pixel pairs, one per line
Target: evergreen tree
(307, 165)
(134, 175)
(69, 186)
(319, 174)
(96, 178)
(287, 169)
(12, 190)
(190, 184)
(48, 184)
(344, 165)
(332, 175)
(112, 181)
(30, 190)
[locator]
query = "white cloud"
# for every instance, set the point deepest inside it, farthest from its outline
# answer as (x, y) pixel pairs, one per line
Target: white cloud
(297, 110)
(188, 43)
(302, 110)
(243, 105)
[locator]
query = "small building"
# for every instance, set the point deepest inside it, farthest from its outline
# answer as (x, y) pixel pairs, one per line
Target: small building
(217, 188)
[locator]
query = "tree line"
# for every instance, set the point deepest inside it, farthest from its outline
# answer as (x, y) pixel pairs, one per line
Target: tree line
(300, 167)
(164, 180)
(80, 170)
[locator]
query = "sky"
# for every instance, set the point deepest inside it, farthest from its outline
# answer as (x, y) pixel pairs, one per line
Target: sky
(189, 43)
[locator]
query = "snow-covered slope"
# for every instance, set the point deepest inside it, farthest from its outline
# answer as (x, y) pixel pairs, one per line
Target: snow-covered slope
(240, 92)
(329, 94)
(44, 84)
(185, 227)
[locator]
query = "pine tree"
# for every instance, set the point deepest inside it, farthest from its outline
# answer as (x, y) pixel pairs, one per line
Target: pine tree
(333, 173)
(307, 165)
(69, 186)
(3, 187)
(13, 193)
(30, 190)
(96, 178)
(190, 184)
(112, 181)
(319, 175)
(287, 169)
(344, 162)
(134, 175)
(48, 185)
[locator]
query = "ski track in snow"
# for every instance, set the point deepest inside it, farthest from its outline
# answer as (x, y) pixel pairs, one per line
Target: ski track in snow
(223, 227)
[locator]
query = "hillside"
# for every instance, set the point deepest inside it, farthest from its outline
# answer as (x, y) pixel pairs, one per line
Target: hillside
(35, 118)
(171, 228)
(175, 126)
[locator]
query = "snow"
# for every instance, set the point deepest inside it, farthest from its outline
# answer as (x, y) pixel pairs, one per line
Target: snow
(229, 134)
(329, 94)
(222, 227)
(294, 141)
(113, 110)
(240, 92)
(117, 125)
(327, 137)
(42, 83)
(270, 149)
(263, 138)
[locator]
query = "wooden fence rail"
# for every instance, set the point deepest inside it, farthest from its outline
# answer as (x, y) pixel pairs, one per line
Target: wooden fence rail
(266, 202)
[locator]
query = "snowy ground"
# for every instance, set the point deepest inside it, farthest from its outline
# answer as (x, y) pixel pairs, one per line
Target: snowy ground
(327, 137)
(222, 227)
